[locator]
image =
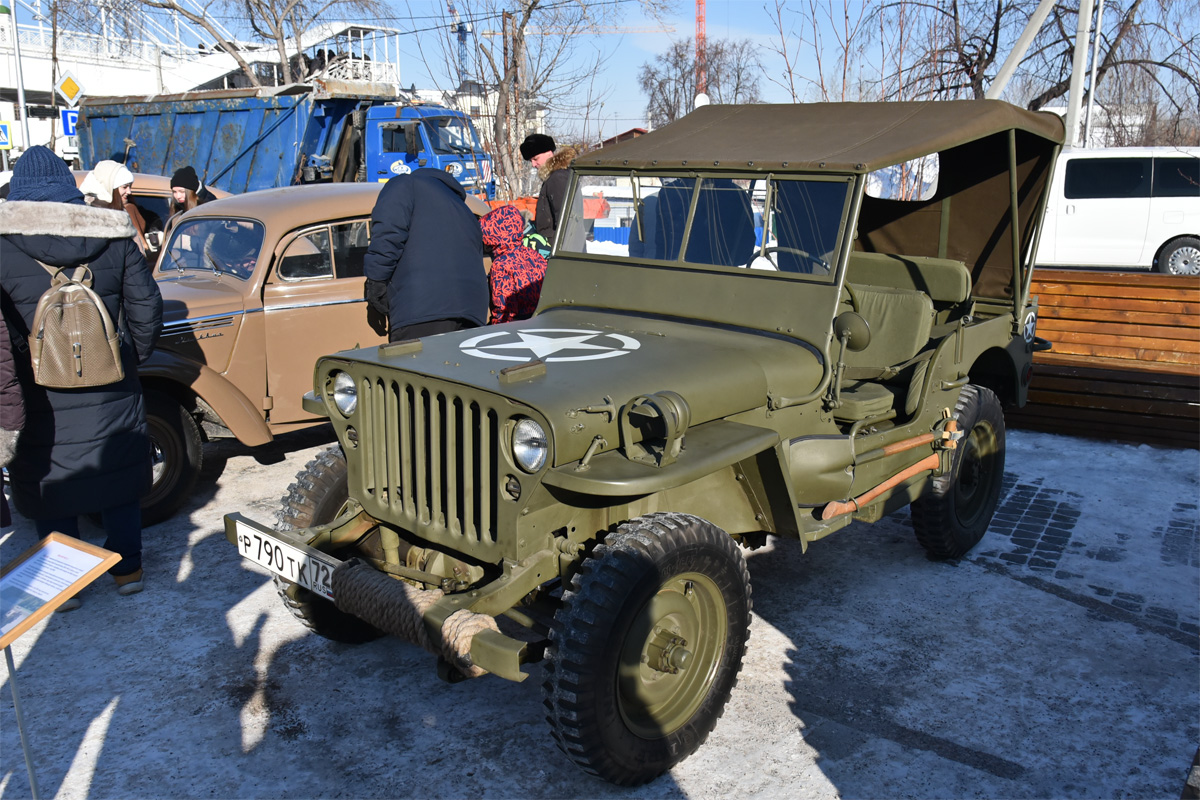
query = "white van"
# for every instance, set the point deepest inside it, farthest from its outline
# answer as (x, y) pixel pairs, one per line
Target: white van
(1129, 207)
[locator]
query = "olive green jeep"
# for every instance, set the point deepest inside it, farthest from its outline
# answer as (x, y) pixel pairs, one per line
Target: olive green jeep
(819, 315)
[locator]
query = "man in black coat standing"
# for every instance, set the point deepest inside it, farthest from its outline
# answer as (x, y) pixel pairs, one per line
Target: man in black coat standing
(424, 267)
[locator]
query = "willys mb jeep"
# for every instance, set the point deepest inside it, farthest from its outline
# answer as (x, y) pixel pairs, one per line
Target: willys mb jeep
(783, 351)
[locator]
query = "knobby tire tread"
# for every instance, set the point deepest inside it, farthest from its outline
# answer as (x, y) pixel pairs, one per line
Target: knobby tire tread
(582, 627)
(313, 499)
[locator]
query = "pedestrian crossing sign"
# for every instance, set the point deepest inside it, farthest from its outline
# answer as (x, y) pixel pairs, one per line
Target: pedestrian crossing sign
(5, 136)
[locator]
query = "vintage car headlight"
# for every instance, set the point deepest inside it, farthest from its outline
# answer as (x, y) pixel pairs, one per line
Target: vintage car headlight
(345, 393)
(529, 445)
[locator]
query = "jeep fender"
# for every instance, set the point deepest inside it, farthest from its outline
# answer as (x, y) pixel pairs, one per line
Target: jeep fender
(710, 447)
(243, 419)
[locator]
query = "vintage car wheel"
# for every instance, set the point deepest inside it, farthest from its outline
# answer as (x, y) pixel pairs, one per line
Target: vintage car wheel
(176, 453)
(1181, 257)
(955, 516)
(646, 647)
(317, 496)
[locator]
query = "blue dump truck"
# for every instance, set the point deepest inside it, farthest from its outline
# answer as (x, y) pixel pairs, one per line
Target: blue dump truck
(241, 140)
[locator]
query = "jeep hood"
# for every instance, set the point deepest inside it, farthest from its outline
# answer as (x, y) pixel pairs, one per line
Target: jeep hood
(595, 361)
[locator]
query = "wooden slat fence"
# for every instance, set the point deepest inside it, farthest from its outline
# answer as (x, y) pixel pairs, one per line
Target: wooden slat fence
(1126, 357)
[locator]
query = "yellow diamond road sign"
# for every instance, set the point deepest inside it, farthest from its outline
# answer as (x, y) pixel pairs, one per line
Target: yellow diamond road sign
(69, 88)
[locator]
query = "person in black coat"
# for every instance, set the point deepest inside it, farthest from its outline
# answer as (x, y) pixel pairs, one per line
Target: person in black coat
(82, 451)
(554, 168)
(424, 266)
(12, 412)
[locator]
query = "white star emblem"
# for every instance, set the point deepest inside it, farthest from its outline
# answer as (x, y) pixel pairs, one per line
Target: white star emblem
(536, 343)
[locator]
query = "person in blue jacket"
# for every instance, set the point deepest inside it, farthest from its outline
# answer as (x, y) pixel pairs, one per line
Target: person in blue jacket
(424, 266)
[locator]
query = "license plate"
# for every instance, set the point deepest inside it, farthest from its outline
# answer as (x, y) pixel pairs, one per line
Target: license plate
(307, 567)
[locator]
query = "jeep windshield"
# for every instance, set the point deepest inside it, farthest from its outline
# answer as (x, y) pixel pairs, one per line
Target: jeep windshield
(784, 225)
(218, 246)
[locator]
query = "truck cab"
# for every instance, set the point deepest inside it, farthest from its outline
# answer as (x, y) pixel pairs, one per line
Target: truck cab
(400, 139)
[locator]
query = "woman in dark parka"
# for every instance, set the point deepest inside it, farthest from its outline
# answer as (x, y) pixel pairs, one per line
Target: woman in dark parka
(82, 451)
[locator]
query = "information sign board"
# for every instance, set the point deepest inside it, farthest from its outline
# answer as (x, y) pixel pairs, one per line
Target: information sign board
(44, 577)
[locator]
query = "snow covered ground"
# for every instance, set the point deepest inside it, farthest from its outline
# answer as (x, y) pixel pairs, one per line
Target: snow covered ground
(1058, 660)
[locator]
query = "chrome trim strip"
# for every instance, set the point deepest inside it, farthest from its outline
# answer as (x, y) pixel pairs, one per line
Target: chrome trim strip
(315, 305)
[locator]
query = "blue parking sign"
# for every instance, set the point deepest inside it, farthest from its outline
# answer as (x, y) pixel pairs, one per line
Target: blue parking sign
(69, 117)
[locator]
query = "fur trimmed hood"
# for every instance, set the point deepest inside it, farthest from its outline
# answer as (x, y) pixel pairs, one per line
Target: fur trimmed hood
(562, 159)
(20, 217)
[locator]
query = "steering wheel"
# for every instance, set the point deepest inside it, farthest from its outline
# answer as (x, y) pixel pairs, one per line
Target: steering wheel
(795, 251)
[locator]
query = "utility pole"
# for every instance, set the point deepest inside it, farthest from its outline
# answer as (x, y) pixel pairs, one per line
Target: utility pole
(12, 16)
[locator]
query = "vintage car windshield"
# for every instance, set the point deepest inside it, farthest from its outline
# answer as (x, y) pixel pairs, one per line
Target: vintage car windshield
(450, 135)
(220, 246)
(646, 216)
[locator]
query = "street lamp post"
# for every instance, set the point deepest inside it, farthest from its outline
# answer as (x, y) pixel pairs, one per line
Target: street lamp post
(12, 15)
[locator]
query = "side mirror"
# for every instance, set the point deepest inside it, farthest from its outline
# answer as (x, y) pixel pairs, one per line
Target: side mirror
(853, 329)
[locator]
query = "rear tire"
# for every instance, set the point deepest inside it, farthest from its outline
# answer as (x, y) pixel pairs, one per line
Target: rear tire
(1180, 257)
(646, 647)
(955, 516)
(319, 496)
(177, 455)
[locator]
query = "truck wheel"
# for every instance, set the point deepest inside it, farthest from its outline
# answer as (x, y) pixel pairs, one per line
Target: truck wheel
(955, 516)
(176, 454)
(318, 496)
(1180, 257)
(646, 647)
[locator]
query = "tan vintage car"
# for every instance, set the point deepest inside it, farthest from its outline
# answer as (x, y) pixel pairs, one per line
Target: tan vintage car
(255, 288)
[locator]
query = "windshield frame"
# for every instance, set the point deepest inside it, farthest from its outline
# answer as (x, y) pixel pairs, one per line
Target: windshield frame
(849, 208)
(431, 130)
(170, 267)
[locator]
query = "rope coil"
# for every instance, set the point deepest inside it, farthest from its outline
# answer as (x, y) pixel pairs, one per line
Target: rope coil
(398, 608)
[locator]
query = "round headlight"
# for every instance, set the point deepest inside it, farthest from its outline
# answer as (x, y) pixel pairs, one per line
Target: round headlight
(529, 445)
(345, 393)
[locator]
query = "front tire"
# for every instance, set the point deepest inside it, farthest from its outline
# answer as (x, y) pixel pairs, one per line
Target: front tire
(1180, 257)
(318, 496)
(646, 647)
(955, 516)
(176, 453)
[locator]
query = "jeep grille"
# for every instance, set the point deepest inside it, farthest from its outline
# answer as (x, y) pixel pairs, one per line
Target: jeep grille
(429, 462)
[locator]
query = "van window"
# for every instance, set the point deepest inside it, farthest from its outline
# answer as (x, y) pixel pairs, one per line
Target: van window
(1177, 177)
(1107, 177)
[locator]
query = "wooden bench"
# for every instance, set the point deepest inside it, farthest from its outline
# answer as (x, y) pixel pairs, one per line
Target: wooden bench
(1126, 358)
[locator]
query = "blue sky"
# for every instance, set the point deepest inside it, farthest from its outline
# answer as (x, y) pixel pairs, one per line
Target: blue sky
(624, 106)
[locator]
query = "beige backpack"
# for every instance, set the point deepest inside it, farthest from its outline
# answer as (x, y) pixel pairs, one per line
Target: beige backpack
(73, 342)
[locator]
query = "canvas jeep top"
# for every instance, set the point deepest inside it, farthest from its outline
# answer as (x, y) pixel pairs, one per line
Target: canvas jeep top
(794, 341)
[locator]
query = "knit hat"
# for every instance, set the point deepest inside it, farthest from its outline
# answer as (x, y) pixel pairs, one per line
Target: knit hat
(104, 177)
(40, 175)
(186, 178)
(535, 144)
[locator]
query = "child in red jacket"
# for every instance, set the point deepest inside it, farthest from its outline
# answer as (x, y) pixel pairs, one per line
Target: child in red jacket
(517, 271)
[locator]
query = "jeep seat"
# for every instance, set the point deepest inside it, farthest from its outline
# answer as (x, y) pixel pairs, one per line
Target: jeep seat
(945, 281)
(901, 322)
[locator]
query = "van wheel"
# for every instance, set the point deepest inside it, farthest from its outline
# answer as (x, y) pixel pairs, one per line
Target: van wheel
(955, 516)
(646, 647)
(1180, 257)
(319, 495)
(176, 454)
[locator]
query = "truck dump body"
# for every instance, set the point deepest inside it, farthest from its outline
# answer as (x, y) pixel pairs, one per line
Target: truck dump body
(240, 140)
(244, 140)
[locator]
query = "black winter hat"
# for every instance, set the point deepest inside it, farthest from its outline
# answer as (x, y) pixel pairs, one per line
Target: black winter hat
(40, 175)
(186, 178)
(535, 144)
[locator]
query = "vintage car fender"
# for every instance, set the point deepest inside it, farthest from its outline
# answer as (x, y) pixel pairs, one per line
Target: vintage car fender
(243, 419)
